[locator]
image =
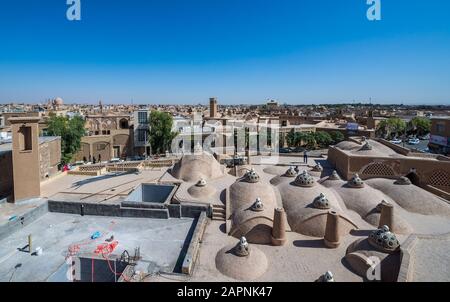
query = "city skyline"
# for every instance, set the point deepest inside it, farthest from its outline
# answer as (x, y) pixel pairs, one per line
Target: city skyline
(302, 52)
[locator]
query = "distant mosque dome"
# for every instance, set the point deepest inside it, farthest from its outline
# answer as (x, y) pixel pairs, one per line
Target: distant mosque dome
(58, 101)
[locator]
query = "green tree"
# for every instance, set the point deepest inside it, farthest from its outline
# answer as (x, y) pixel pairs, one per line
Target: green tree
(290, 138)
(161, 134)
(391, 128)
(419, 126)
(323, 139)
(337, 136)
(71, 131)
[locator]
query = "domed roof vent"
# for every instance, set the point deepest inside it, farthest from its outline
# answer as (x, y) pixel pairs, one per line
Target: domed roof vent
(384, 240)
(356, 182)
(334, 176)
(258, 206)
(201, 183)
(367, 146)
(321, 202)
(318, 168)
(304, 179)
(403, 181)
(291, 172)
(242, 249)
(251, 176)
(327, 277)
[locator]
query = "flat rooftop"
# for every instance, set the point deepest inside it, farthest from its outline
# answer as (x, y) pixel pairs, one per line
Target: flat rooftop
(109, 188)
(161, 243)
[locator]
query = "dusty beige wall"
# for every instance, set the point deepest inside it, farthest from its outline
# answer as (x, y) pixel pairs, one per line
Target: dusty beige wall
(50, 157)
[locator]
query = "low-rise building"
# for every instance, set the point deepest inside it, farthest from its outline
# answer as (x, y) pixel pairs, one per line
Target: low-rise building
(440, 135)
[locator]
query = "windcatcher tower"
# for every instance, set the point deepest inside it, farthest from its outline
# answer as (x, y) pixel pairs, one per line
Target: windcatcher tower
(213, 107)
(25, 157)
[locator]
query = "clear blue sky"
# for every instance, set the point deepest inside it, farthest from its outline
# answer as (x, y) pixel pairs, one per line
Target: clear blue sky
(242, 51)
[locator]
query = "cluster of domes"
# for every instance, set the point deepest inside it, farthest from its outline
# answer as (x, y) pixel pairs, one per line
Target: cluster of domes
(291, 172)
(383, 239)
(321, 202)
(251, 176)
(356, 182)
(304, 179)
(404, 181)
(258, 206)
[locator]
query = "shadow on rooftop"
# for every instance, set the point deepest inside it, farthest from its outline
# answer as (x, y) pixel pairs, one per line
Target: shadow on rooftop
(316, 243)
(361, 233)
(83, 182)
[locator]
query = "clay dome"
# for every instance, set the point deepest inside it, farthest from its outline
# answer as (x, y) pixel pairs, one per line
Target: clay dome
(193, 167)
(411, 198)
(302, 214)
(201, 190)
(365, 201)
(248, 218)
(240, 266)
(58, 101)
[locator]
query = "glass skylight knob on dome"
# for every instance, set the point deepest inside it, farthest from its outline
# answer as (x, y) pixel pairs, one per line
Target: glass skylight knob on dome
(367, 146)
(242, 249)
(327, 277)
(258, 206)
(251, 176)
(318, 168)
(404, 181)
(201, 183)
(291, 172)
(384, 240)
(334, 176)
(321, 202)
(356, 182)
(304, 179)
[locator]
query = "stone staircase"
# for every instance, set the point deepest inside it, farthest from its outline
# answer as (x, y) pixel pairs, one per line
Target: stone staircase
(218, 212)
